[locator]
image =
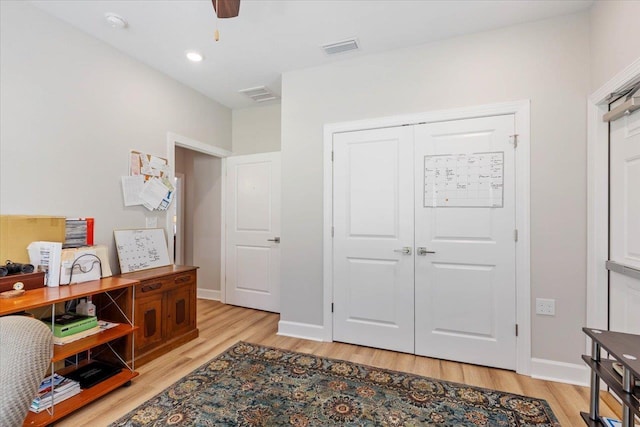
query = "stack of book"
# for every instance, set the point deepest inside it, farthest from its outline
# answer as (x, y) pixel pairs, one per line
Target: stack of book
(55, 391)
(617, 367)
(70, 327)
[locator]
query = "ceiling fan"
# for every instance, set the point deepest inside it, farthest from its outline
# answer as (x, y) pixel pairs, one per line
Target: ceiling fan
(226, 8)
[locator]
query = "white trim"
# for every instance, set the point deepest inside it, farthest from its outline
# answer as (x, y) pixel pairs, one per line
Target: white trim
(178, 208)
(562, 372)
(191, 144)
(598, 196)
(210, 294)
(176, 140)
(327, 238)
(301, 330)
(223, 230)
(523, 247)
(521, 110)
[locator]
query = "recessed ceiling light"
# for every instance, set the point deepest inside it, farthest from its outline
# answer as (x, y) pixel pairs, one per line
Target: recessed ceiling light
(194, 56)
(116, 21)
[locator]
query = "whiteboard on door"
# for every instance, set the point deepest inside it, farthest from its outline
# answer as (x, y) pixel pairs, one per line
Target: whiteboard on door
(462, 180)
(141, 249)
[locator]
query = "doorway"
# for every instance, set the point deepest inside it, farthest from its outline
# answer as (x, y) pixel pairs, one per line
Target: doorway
(202, 167)
(406, 258)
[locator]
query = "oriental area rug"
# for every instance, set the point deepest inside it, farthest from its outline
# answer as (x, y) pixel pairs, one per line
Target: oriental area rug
(252, 385)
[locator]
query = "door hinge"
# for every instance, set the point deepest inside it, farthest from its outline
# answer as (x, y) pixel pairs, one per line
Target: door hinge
(514, 139)
(515, 235)
(516, 329)
(332, 307)
(332, 231)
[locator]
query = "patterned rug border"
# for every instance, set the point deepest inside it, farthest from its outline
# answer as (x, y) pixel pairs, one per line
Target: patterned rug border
(388, 371)
(548, 412)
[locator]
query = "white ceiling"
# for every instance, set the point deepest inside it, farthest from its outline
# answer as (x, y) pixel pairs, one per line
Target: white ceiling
(272, 37)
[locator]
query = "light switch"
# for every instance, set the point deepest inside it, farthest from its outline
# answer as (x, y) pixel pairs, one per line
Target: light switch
(152, 221)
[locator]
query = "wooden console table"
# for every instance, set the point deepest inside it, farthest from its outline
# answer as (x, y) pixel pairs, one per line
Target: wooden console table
(625, 349)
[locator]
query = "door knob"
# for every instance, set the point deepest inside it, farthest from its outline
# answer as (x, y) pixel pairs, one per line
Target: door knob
(423, 251)
(275, 239)
(404, 251)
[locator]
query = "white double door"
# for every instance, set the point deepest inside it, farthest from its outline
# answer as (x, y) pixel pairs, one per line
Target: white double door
(424, 249)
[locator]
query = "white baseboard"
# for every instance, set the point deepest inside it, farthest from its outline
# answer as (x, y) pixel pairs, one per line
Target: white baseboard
(301, 330)
(561, 372)
(208, 294)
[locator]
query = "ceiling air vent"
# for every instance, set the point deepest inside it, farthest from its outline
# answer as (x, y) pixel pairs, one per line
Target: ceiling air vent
(259, 94)
(339, 47)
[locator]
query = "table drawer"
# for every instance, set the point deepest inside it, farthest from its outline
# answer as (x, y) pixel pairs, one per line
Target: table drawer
(155, 286)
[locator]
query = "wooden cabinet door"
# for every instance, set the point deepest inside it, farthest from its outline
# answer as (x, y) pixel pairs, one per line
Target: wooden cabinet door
(150, 320)
(180, 311)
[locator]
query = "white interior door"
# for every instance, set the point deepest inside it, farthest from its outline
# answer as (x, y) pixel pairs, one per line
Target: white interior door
(624, 220)
(373, 238)
(253, 231)
(465, 288)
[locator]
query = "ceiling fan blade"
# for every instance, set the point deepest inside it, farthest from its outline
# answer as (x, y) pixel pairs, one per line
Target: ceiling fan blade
(228, 8)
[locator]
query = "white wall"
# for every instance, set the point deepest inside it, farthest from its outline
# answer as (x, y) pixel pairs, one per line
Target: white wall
(256, 129)
(71, 108)
(615, 38)
(546, 62)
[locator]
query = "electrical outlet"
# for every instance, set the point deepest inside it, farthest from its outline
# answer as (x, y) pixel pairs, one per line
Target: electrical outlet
(546, 307)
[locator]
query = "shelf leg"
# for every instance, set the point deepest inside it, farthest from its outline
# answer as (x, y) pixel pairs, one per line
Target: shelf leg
(594, 408)
(627, 414)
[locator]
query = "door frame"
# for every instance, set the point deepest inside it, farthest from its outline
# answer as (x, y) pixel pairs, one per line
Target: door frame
(178, 250)
(176, 140)
(598, 196)
(521, 110)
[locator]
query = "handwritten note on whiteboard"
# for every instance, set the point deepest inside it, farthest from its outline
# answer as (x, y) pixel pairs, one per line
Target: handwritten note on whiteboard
(464, 180)
(141, 249)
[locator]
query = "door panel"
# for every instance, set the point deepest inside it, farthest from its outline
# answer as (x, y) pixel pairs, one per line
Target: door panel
(149, 319)
(253, 196)
(373, 220)
(624, 220)
(253, 267)
(453, 282)
(625, 303)
(465, 218)
(180, 311)
(253, 225)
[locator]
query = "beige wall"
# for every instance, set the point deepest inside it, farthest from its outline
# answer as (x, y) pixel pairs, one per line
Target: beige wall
(256, 129)
(615, 38)
(71, 108)
(546, 62)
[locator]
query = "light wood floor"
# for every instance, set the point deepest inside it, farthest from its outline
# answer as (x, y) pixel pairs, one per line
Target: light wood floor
(223, 325)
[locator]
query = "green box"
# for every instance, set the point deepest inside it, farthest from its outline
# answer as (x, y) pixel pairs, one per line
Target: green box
(70, 323)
